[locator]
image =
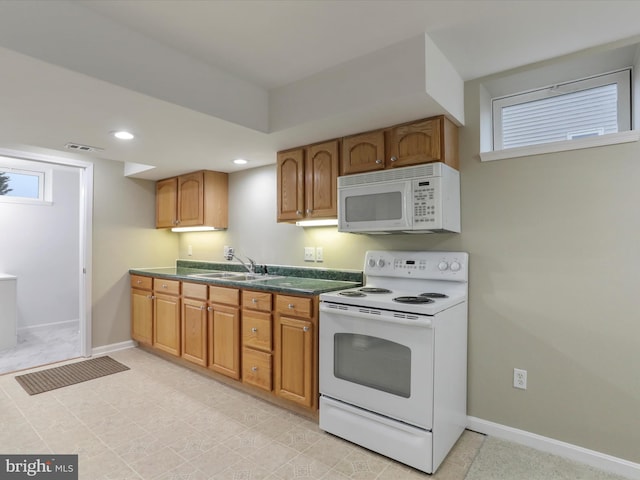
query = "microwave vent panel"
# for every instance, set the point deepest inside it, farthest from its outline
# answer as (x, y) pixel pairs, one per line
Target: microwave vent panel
(404, 173)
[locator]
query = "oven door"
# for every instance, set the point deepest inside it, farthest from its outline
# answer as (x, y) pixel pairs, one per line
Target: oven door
(375, 208)
(379, 365)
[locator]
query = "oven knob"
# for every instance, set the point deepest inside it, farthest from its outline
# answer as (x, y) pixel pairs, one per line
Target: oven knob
(455, 266)
(372, 262)
(442, 266)
(381, 263)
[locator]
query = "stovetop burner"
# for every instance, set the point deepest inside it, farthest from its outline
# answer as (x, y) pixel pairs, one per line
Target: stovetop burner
(352, 293)
(375, 290)
(434, 295)
(413, 300)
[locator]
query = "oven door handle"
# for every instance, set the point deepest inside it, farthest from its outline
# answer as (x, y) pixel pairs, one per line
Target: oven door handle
(420, 321)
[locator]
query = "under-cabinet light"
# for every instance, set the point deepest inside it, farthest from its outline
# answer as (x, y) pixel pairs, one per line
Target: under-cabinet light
(318, 223)
(195, 229)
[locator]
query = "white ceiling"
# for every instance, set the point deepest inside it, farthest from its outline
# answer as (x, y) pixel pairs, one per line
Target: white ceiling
(74, 70)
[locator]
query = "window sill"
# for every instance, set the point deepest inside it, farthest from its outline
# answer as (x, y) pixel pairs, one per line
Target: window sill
(565, 145)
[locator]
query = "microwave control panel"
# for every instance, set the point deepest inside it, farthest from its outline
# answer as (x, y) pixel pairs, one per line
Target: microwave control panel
(425, 199)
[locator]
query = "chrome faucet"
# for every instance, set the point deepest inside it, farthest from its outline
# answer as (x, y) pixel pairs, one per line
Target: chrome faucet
(251, 268)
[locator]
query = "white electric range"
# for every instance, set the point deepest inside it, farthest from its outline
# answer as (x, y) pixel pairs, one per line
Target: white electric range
(393, 356)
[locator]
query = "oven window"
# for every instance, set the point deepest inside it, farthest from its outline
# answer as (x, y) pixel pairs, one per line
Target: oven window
(373, 362)
(378, 206)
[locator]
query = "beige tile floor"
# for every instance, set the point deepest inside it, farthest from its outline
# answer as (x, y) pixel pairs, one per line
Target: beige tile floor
(160, 421)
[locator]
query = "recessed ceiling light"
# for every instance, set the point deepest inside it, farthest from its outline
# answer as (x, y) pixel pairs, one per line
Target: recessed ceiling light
(123, 135)
(240, 161)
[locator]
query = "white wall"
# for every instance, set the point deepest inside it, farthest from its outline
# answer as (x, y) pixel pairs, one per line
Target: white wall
(39, 244)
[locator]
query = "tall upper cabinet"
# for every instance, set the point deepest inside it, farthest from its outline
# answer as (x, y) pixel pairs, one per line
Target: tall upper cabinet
(307, 182)
(194, 199)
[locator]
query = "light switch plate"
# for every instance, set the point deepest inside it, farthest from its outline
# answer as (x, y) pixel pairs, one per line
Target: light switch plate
(309, 254)
(319, 254)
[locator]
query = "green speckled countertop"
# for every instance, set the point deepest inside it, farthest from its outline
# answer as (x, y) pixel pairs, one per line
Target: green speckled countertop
(280, 279)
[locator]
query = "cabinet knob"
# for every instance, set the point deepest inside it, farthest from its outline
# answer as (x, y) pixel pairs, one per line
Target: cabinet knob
(309, 210)
(139, 282)
(203, 307)
(176, 222)
(210, 309)
(254, 300)
(164, 285)
(254, 329)
(379, 162)
(298, 212)
(151, 297)
(254, 369)
(291, 306)
(305, 329)
(393, 159)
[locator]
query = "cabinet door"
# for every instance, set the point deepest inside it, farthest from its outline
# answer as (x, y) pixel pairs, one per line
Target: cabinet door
(294, 360)
(415, 143)
(166, 331)
(191, 199)
(194, 331)
(142, 316)
(321, 184)
(362, 153)
(224, 340)
(166, 203)
(290, 185)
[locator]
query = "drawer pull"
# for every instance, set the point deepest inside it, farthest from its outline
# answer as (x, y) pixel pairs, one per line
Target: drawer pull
(164, 285)
(254, 300)
(305, 329)
(291, 306)
(254, 329)
(139, 282)
(254, 369)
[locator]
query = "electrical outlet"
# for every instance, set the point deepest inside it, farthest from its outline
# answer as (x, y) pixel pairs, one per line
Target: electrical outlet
(228, 252)
(309, 254)
(190, 250)
(319, 254)
(519, 378)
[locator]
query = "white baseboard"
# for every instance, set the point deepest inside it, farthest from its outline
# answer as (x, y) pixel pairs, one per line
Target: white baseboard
(595, 459)
(65, 323)
(114, 347)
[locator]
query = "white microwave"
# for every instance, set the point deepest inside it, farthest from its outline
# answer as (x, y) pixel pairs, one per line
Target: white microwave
(420, 199)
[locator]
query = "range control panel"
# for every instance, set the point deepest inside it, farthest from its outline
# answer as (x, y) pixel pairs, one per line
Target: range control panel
(425, 265)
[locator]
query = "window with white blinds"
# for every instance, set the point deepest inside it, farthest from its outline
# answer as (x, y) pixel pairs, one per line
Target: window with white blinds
(589, 107)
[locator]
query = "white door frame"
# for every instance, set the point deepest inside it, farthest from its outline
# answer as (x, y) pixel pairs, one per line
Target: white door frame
(85, 228)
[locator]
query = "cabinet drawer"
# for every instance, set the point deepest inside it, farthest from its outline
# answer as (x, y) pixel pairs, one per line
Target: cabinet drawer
(298, 306)
(256, 300)
(138, 281)
(256, 330)
(228, 296)
(194, 290)
(172, 287)
(256, 368)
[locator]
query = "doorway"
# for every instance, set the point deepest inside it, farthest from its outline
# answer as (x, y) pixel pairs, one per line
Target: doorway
(47, 247)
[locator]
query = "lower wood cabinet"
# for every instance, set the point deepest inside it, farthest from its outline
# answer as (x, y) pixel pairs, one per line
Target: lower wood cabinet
(224, 340)
(268, 341)
(194, 330)
(295, 376)
(166, 316)
(141, 309)
(224, 331)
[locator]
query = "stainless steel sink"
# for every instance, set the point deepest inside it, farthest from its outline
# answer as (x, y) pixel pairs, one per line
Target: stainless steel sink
(235, 276)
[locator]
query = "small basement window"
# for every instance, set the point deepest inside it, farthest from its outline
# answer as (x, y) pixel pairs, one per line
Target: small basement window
(572, 110)
(22, 181)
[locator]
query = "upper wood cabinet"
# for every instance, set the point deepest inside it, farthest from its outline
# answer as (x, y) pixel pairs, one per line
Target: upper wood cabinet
(423, 141)
(195, 199)
(363, 153)
(307, 182)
